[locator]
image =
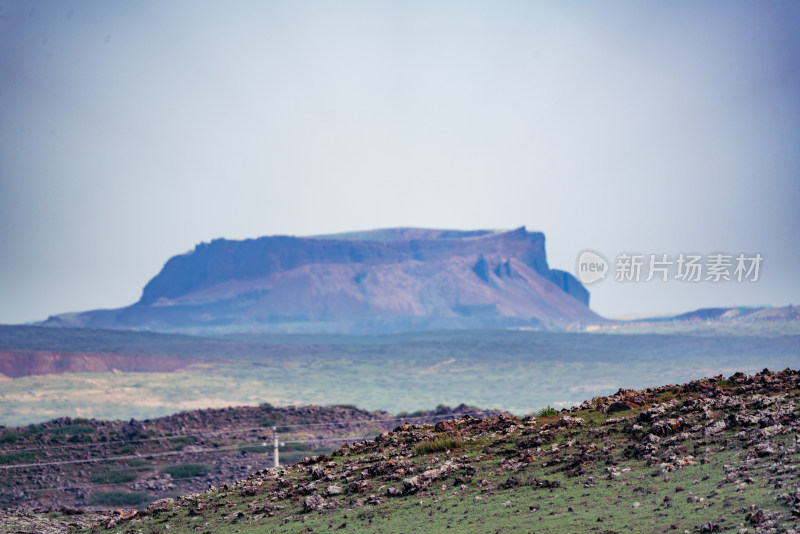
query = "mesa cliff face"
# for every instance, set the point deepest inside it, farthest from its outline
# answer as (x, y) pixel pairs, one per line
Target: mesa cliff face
(369, 282)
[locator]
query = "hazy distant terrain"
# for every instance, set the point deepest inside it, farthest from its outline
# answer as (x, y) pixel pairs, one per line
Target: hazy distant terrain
(519, 371)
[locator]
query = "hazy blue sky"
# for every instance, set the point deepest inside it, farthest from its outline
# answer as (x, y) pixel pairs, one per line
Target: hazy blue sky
(131, 131)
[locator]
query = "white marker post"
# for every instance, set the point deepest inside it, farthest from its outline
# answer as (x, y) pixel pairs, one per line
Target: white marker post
(275, 439)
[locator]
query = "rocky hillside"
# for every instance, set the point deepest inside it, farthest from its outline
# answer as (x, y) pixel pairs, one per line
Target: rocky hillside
(714, 455)
(371, 282)
(69, 462)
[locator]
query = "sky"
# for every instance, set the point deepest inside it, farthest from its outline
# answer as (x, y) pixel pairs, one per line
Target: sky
(130, 131)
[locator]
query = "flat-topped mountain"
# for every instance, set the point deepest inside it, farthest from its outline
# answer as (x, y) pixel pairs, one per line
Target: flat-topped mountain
(378, 281)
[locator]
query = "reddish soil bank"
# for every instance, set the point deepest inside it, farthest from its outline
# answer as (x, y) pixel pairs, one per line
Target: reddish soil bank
(19, 363)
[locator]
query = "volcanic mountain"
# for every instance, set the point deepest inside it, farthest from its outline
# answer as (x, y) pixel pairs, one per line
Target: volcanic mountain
(379, 281)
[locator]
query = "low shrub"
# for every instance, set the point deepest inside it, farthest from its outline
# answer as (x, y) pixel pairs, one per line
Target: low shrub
(10, 438)
(187, 470)
(179, 442)
(438, 444)
(547, 411)
(113, 477)
(21, 457)
(120, 498)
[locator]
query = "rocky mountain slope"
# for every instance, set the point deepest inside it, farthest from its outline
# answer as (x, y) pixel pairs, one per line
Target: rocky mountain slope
(741, 320)
(740, 314)
(370, 282)
(713, 455)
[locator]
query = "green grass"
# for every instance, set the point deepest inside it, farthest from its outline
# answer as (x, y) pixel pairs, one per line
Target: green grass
(138, 464)
(510, 476)
(113, 477)
(632, 502)
(188, 470)
(547, 411)
(437, 444)
(120, 498)
(294, 452)
(268, 420)
(21, 457)
(10, 437)
(179, 442)
(73, 429)
(257, 449)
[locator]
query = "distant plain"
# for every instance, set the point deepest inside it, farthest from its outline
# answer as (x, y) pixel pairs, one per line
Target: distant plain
(518, 371)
